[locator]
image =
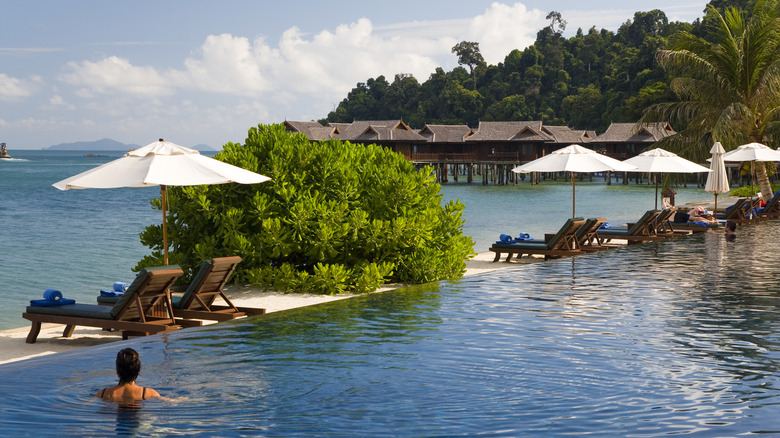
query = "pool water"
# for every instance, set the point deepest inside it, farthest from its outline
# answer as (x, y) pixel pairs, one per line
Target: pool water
(664, 338)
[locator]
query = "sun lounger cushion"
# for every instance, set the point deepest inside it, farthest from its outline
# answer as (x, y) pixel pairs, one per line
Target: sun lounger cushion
(93, 311)
(528, 244)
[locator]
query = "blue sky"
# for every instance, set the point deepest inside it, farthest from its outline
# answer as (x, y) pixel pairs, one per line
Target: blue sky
(205, 72)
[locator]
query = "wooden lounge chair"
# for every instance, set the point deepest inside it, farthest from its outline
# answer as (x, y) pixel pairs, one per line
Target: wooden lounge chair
(144, 308)
(643, 230)
(587, 236)
(696, 227)
(772, 208)
(680, 222)
(562, 244)
(201, 299)
(739, 212)
(664, 227)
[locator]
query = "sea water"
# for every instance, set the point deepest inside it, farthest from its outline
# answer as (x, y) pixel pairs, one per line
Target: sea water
(678, 337)
(82, 241)
(663, 338)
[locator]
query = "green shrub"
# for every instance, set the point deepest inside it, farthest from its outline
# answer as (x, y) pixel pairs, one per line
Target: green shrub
(336, 217)
(748, 191)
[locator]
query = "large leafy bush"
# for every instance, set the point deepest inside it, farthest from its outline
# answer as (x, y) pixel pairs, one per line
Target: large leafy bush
(336, 217)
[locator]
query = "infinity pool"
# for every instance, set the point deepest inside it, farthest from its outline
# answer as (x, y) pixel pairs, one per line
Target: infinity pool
(676, 337)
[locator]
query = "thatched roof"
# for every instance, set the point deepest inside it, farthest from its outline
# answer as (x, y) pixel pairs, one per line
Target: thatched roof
(564, 134)
(631, 133)
(312, 130)
(530, 131)
(446, 133)
(510, 131)
(376, 130)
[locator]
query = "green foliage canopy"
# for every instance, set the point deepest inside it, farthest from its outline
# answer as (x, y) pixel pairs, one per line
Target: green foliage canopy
(336, 217)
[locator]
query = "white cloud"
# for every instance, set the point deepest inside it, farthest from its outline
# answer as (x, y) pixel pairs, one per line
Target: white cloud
(319, 67)
(116, 75)
(56, 101)
(503, 28)
(232, 82)
(14, 88)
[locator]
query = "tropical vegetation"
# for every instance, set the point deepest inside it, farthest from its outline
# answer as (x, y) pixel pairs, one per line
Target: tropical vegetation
(336, 217)
(726, 83)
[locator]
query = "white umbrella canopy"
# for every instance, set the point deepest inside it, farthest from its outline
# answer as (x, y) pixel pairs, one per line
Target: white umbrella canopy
(574, 158)
(752, 152)
(662, 161)
(717, 181)
(161, 164)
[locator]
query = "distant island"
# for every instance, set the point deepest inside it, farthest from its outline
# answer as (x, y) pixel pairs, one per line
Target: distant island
(107, 144)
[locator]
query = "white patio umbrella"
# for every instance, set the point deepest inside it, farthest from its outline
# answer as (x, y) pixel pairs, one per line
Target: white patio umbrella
(717, 181)
(161, 164)
(752, 152)
(574, 158)
(662, 161)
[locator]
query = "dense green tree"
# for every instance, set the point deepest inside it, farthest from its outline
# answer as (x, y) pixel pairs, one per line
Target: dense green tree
(728, 89)
(620, 65)
(336, 217)
(469, 54)
(582, 108)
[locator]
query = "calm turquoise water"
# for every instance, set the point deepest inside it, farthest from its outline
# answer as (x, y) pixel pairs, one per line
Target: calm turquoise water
(670, 338)
(81, 241)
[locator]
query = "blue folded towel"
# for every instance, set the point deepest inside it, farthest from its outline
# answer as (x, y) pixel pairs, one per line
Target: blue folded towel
(47, 303)
(51, 297)
(704, 224)
(121, 287)
(110, 293)
(524, 236)
(605, 225)
(505, 238)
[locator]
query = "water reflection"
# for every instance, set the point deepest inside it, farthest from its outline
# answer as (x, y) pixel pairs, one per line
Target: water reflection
(673, 337)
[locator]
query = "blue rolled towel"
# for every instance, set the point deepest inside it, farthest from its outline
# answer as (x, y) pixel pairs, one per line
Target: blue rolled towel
(52, 295)
(524, 236)
(605, 225)
(505, 238)
(121, 287)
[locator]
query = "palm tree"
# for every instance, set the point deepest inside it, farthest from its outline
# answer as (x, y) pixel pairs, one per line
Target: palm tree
(728, 88)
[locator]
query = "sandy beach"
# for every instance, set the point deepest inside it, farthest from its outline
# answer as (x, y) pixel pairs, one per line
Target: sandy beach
(13, 347)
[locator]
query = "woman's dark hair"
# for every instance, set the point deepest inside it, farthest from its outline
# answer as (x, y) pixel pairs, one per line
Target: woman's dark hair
(128, 365)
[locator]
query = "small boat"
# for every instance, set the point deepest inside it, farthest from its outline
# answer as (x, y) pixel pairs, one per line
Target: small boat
(3, 151)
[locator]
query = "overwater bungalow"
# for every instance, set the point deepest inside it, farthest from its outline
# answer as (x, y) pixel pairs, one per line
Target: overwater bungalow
(492, 149)
(626, 140)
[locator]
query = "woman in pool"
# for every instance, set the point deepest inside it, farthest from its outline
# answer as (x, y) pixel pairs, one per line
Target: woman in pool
(128, 365)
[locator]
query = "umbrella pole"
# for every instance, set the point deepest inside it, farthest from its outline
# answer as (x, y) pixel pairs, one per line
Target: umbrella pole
(715, 212)
(656, 191)
(572, 195)
(164, 195)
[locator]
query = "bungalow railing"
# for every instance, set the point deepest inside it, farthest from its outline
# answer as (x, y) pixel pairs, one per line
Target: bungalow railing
(442, 157)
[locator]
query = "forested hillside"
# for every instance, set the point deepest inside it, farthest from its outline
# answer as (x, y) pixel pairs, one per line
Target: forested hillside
(586, 81)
